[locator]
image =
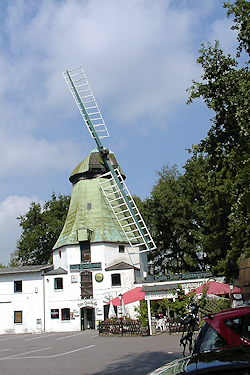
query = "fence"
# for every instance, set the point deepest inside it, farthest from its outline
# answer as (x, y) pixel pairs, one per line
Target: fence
(122, 327)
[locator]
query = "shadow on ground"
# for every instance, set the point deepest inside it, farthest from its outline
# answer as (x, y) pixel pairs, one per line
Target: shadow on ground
(139, 364)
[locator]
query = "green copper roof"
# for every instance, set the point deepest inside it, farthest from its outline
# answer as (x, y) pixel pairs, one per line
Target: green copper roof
(88, 209)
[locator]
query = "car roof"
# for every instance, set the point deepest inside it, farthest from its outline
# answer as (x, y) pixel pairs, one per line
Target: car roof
(239, 311)
(209, 362)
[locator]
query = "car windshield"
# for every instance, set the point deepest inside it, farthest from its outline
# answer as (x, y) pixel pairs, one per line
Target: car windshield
(209, 339)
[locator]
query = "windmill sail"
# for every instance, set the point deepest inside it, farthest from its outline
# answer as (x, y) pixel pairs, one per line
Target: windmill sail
(131, 228)
(85, 100)
(114, 188)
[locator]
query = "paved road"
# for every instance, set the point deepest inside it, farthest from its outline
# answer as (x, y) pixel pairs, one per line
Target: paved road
(85, 353)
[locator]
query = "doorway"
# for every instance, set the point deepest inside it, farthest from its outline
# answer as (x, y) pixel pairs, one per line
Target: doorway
(87, 318)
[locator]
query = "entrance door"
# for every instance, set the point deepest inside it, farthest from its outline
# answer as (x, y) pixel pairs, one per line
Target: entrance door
(87, 318)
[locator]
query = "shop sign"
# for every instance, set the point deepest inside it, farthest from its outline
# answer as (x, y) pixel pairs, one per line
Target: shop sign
(184, 276)
(85, 266)
(87, 303)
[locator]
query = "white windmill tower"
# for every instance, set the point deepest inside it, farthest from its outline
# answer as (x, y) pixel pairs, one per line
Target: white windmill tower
(112, 217)
(114, 188)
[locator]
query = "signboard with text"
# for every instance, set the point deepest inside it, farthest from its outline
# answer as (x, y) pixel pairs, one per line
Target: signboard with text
(184, 276)
(85, 266)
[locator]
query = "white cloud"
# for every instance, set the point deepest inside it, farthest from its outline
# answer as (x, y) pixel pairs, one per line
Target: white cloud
(220, 31)
(128, 50)
(139, 57)
(28, 156)
(10, 209)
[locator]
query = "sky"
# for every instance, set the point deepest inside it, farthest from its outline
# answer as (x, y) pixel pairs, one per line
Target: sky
(139, 57)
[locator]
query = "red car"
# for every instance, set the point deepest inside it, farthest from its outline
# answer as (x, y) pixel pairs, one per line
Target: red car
(228, 328)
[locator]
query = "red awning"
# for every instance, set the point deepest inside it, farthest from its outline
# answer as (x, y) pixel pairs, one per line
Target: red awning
(132, 295)
(217, 288)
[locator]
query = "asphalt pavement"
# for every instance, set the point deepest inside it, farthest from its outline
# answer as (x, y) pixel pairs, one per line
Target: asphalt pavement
(85, 353)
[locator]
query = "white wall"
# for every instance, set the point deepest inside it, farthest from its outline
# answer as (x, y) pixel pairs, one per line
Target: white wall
(29, 301)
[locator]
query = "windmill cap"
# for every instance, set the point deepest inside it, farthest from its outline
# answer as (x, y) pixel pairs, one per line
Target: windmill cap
(93, 166)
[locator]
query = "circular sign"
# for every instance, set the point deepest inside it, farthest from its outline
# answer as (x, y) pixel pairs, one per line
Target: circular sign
(99, 277)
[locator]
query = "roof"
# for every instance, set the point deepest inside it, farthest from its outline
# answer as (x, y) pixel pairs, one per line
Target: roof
(93, 166)
(120, 266)
(58, 271)
(89, 210)
(25, 269)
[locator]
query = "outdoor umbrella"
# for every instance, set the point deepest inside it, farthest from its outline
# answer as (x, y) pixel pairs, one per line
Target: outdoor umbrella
(216, 288)
(132, 295)
(112, 313)
(124, 310)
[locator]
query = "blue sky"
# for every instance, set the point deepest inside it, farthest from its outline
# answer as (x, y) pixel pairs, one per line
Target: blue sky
(139, 57)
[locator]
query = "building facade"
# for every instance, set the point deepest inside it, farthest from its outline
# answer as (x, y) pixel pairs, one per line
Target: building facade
(93, 263)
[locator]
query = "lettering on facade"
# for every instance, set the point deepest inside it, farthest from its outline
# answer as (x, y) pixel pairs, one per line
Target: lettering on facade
(184, 276)
(85, 266)
(87, 303)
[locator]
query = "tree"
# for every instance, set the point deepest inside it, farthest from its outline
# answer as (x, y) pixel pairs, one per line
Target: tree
(172, 215)
(41, 227)
(225, 88)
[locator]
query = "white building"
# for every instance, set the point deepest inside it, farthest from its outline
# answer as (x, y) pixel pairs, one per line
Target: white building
(92, 264)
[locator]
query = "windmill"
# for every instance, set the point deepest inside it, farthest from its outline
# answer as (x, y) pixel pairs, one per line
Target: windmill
(111, 183)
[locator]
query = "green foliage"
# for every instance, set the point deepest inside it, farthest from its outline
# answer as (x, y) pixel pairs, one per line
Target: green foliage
(41, 227)
(169, 215)
(200, 219)
(215, 305)
(180, 304)
(226, 90)
(142, 313)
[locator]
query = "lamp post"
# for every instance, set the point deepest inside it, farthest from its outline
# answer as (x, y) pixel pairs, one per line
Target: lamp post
(120, 299)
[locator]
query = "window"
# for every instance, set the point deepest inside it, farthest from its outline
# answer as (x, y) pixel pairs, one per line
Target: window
(86, 285)
(18, 317)
(54, 313)
(121, 248)
(116, 279)
(65, 313)
(85, 251)
(60, 254)
(212, 341)
(18, 286)
(240, 325)
(58, 283)
(235, 324)
(246, 329)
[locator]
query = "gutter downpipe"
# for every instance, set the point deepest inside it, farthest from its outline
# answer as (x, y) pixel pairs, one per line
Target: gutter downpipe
(43, 274)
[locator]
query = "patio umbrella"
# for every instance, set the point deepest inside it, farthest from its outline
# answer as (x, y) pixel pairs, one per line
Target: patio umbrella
(216, 288)
(124, 310)
(132, 295)
(112, 313)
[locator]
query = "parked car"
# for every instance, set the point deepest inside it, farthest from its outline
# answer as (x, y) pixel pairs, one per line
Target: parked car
(229, 361)
(228, 328)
